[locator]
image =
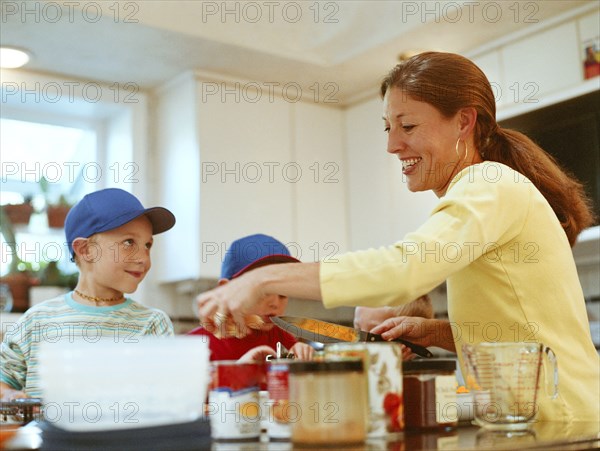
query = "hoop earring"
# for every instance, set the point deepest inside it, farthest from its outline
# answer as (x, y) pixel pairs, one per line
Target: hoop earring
(466, 150)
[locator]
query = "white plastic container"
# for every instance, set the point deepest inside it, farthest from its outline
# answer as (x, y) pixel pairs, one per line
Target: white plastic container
(103, 385)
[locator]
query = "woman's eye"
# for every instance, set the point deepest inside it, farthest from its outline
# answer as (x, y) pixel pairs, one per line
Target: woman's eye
(408, 127)
(386, 129)
(128, 243)
(148, 245)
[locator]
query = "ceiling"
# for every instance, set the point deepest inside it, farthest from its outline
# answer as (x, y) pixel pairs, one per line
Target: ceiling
(348, 44)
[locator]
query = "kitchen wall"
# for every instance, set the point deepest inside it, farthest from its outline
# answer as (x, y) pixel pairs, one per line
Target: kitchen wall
(369, 206)
(199, 153)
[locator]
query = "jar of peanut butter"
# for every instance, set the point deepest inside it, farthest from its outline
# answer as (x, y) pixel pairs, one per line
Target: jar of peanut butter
(328, 402)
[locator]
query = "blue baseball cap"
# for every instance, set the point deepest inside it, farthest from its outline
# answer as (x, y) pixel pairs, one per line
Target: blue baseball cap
(251, 252)
(108, 209)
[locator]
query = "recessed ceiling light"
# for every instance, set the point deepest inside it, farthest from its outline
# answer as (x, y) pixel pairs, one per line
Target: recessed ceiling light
(11, 58)
(408, 54)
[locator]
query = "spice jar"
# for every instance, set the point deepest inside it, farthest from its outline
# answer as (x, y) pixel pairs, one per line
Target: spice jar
(430, 394)
(328, 402)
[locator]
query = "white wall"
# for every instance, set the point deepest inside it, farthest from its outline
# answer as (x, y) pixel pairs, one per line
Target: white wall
(381, 209)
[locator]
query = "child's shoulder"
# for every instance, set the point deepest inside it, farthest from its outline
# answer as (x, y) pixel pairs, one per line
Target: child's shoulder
(50, 304)
(136, 308)
(46, 309)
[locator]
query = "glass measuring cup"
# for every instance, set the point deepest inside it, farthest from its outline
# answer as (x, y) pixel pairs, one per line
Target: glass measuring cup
(504, 378)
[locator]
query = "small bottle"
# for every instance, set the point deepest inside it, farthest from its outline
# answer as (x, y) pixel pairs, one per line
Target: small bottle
(430, 394)
(328, 402)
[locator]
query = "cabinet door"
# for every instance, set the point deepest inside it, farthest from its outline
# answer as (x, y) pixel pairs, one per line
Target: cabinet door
(541, 64)
(246, 170)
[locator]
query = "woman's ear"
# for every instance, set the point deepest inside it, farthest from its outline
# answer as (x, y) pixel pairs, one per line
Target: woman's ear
(466, 121)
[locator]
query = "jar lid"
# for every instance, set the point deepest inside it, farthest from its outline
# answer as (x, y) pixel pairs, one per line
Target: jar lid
(429, 364)
(334, 365)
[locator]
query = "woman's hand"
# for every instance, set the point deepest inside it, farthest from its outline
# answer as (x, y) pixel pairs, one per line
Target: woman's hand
(421, 331)
(247, 294)
(257, 353)
(229, 304)
(302, 351)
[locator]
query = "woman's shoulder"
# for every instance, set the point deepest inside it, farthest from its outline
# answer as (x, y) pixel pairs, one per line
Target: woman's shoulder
(490, 176)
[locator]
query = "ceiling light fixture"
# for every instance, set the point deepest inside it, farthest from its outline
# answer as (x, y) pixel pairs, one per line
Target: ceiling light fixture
(12, 58)
(408, 54)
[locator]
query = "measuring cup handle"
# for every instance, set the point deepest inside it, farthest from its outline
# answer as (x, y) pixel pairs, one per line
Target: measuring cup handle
(551, 357)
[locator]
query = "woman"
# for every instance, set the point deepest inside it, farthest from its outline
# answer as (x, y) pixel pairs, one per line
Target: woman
(500, 236)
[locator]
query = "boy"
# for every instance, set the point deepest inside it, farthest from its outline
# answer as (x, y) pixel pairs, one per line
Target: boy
(109, 235)
(245, 254)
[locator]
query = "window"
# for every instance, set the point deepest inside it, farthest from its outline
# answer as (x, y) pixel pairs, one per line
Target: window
(42, 164)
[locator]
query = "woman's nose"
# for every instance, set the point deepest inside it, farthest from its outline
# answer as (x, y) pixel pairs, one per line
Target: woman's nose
(395, 143)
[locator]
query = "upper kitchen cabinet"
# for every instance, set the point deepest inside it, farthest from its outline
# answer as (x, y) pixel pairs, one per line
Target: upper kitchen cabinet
(541, 64)
(240, 158)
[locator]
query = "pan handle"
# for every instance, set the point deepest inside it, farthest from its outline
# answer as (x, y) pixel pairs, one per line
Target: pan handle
(417, 349)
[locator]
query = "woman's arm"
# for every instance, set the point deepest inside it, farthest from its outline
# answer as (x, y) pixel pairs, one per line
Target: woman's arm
(244, 295)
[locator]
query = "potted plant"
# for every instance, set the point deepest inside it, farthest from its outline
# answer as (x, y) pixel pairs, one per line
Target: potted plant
(56, 212)
(19, 213)
(19, 278)
(51, 275)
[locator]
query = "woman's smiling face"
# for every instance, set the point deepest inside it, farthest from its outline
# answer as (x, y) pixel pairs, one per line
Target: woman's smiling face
(424, 140)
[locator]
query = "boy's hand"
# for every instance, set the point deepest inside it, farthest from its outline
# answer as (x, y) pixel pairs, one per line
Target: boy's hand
(302, 351)
(257, 353)
(7, 393)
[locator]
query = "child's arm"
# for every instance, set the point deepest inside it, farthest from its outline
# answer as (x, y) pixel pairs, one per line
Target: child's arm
(7, 393)
(257, 353)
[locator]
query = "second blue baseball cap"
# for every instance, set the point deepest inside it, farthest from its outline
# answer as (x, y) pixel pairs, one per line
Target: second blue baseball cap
(251, 252)
(108, 209)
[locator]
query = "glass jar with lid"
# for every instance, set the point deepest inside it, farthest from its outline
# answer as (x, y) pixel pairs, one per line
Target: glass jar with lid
(328, 402)
(430, 393)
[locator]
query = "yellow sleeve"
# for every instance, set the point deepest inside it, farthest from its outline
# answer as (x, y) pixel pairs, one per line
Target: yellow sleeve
(486, 205)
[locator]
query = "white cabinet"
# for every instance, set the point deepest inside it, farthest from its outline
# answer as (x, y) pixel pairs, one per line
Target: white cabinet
(177, 252)
(541, 64)
(537, 67)
(238, 162)
(246, 181)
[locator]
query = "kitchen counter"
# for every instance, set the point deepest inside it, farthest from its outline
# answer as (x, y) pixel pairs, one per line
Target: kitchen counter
(546, 436)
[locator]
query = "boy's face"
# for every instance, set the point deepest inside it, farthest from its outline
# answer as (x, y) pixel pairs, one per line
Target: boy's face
(122, 256)
(275, 306)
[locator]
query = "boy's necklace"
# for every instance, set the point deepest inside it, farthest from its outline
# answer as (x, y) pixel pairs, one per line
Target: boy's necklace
(98, 300)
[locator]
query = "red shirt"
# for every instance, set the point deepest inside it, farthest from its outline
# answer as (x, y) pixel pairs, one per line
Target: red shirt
(232, 348)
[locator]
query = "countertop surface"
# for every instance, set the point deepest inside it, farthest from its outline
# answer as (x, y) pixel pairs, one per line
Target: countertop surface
(541, 435)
